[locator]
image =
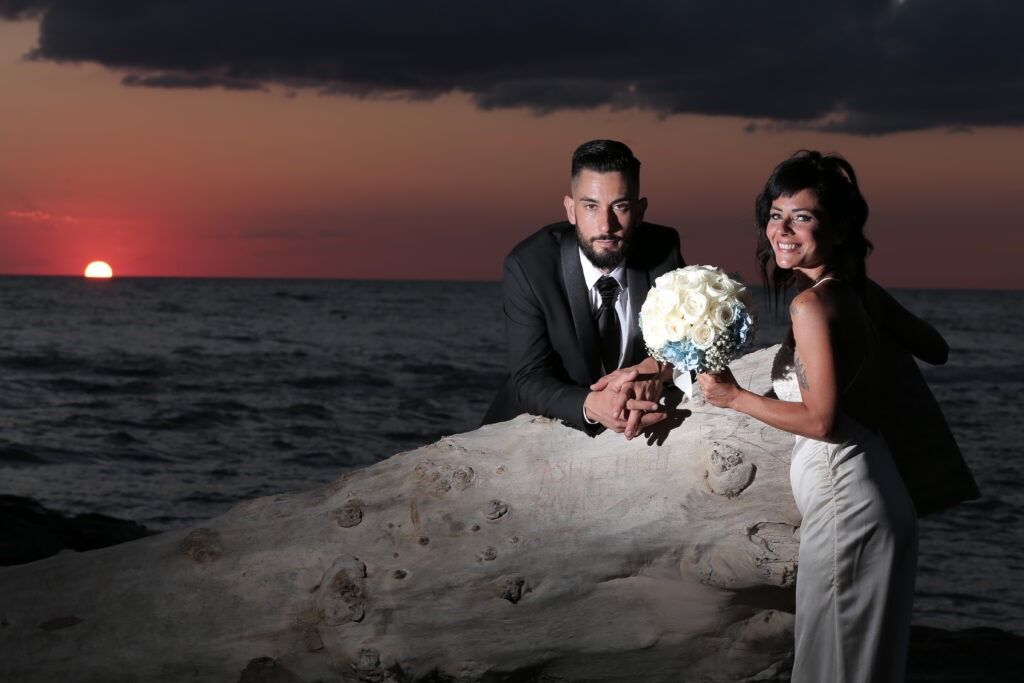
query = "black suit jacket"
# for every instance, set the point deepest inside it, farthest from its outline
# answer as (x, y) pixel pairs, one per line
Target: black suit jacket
(553, 350)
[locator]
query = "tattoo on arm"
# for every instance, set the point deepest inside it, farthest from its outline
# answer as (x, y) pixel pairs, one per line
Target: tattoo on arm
(801, 374)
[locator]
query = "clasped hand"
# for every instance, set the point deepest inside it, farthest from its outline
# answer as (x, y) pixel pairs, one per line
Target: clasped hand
(626, 401)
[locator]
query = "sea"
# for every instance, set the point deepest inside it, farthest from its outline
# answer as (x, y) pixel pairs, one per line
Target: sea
(165, 401)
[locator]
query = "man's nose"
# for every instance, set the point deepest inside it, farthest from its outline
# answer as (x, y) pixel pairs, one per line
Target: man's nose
(610, 221)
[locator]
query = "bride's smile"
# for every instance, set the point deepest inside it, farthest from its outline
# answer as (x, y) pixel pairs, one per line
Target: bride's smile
(797, 235)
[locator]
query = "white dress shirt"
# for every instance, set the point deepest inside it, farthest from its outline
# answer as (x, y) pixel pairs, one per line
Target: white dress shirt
(591, 274)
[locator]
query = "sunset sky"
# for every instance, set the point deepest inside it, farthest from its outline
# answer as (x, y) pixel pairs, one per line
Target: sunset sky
(409, 140)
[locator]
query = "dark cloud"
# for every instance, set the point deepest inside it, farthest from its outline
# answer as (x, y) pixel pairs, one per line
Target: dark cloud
(857, 66)
(177, 80)
(20, 9)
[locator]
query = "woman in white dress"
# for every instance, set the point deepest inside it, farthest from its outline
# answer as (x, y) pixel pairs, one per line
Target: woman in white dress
(858, 535)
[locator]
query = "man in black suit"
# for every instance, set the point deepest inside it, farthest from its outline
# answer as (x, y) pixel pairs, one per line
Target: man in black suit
(570, 358)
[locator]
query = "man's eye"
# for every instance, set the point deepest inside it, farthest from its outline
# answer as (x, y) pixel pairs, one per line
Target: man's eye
(622, 207)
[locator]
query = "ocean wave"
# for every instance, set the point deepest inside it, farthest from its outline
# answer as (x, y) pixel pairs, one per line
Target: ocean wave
(975, 374)
(122, 438)
(99, 404)
(294, 296)
(355, 378)
(15, 454)
(956, 597)
(139, 456)
(223, 472)
(207, 498)
(240, 338)
(191, 419)
(321, 459)
(149, 368)
(84, 386)
(169, 307)
(230, 406)
(313, 410)
(48, 360)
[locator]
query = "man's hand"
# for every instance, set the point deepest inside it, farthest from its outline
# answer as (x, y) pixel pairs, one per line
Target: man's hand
(637, 390)
(607, 407)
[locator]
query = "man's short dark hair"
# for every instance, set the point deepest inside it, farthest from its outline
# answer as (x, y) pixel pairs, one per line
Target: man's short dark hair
(606, 156)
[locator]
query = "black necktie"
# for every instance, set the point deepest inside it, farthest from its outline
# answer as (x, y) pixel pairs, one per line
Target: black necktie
(608, 322)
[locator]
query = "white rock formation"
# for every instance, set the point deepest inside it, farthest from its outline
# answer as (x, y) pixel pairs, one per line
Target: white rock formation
(524, 551)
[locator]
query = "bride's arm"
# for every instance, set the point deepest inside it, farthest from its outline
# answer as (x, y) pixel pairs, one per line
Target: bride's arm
(815, 415)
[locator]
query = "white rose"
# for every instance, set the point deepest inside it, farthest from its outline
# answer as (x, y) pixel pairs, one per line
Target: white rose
(659, 304)
(677, 329)
(702, 336)
(665, 280)
(675, 279)
(718, 289)
(693, 306)
(686, 277)
(718, 297)
(695, 277)
(723, 315)
(655, 334)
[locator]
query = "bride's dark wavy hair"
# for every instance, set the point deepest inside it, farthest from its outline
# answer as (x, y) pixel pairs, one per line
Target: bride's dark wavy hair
(844, 212)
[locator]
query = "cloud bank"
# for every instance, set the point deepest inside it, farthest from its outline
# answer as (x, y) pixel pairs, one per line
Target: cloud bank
(865, 67)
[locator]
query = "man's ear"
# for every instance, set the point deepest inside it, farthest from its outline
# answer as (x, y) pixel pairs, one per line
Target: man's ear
(641, 206)
(570, 209)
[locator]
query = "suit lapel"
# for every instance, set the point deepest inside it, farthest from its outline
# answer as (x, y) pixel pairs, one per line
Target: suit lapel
(579, 304)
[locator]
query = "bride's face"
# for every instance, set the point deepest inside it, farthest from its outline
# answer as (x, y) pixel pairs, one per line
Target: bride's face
(798, 237)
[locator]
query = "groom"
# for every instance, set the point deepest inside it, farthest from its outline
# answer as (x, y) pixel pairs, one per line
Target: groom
(572, 296)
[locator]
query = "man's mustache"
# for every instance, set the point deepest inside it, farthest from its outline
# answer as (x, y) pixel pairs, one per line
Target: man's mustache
(606, 238)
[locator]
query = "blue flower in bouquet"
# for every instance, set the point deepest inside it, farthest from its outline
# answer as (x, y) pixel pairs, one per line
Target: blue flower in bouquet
(682, 354)
(697, 318)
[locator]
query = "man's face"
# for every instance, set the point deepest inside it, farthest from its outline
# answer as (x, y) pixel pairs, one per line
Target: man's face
(605, 210)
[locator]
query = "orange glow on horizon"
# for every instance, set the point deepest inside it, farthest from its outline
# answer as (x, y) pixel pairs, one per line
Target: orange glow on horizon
(99, 269)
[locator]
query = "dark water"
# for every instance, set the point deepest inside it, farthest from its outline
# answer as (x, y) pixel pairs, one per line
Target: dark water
(165, 401)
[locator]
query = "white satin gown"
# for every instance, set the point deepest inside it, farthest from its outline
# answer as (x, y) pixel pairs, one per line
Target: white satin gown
(858, 554)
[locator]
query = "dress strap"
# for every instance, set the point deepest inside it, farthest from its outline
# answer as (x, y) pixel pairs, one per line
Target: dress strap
(824, 279)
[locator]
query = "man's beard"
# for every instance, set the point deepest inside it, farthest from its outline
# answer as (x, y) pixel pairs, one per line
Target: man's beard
(608, 260)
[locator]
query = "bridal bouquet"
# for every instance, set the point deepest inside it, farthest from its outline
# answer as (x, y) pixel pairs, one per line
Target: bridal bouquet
(697, 318)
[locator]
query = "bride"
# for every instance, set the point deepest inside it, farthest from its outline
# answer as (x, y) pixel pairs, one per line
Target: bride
(858, 537)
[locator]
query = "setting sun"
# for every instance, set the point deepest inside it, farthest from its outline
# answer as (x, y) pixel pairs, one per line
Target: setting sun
(98, 269)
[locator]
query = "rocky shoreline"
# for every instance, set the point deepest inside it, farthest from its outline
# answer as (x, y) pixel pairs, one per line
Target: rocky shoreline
(974, 655)
(33, 532)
